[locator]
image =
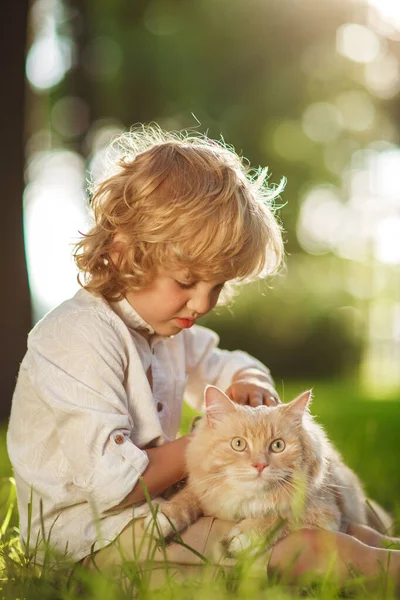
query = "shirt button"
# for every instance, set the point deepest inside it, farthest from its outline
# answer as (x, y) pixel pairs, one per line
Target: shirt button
(119, 438)
(160, 406)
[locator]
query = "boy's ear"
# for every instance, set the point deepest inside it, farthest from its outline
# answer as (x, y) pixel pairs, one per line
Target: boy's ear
(217, 405)
(297, 407)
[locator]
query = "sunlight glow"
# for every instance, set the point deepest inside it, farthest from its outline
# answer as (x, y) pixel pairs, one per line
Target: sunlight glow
(54, 212)
(319, 225)
(389, 11)
(382, 76)
(387, 240)
(367, 226)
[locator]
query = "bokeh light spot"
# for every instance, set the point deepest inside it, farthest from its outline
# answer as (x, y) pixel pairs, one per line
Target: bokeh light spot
(290, 142)
(357, 42)
(322, 122)
(387, 240)
(319, 225)
(70, 116)
(162, 17)
(357, 110)
(49, 58)
(382, 76)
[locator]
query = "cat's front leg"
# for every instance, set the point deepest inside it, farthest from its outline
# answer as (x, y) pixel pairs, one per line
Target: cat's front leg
(256, 534)
(174, 515)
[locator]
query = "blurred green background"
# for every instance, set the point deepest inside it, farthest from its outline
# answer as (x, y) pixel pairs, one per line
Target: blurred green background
(309, 89)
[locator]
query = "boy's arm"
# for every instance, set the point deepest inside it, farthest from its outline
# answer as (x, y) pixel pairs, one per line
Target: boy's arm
(166, 467)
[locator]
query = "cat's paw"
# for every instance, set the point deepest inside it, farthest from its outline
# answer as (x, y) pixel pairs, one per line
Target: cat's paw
(159, 525)
(238, 541)
(144, 509)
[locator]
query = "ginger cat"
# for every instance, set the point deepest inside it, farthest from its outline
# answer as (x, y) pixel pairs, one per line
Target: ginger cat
(271, 469)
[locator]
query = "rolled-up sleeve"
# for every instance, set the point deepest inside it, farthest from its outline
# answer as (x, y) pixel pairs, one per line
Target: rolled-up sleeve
(78, 370)
(208, 364)
(122, 462)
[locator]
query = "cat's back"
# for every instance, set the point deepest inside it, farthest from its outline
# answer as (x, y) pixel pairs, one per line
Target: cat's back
(347, 488)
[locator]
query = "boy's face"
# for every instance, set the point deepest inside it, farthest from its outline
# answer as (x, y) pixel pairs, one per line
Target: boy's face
(172, 302)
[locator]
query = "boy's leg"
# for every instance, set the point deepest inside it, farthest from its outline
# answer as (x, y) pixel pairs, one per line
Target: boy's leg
(370, 536)
(305, 552)
(316, 551)
(158, 562)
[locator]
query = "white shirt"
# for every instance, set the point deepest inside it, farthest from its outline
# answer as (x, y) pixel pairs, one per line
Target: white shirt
(83, 412)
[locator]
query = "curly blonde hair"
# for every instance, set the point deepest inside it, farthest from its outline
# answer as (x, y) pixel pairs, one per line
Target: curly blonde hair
(178, 200)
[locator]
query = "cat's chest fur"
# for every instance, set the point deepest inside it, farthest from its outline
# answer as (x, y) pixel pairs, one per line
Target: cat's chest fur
(234, 503)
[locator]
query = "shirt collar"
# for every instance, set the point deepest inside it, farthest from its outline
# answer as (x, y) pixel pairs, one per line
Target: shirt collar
(130, 317)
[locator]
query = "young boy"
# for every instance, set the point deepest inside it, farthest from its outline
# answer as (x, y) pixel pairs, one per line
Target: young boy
(99, 393)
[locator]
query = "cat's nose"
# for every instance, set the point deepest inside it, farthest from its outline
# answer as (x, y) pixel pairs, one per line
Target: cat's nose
(260, 466)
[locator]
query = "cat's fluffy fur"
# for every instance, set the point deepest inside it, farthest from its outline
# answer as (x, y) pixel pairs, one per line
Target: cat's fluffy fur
(270, 469)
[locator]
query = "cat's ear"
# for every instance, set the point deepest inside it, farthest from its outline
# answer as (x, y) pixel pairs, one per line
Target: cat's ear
(297, 407)
(217, 404)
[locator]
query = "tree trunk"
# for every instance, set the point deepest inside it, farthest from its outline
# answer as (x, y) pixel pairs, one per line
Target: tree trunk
(15, 307)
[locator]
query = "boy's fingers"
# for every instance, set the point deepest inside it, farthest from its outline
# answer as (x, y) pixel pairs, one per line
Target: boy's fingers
(252, 395)
(270, 399)
(241, 397)
(256, 399)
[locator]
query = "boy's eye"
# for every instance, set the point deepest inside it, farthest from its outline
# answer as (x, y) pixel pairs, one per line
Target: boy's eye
(189, 286)
(185, 286)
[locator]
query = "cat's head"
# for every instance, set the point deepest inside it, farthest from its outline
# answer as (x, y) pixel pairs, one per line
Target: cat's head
(260, 448)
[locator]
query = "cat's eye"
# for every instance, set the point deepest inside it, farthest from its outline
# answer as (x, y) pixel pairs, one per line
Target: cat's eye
(239, 444)
(278, 446)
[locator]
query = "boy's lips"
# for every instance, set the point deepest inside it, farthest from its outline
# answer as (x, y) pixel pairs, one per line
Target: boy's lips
(185, 323)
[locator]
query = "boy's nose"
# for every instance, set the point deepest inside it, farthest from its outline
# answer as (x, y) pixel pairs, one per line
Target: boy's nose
(200, 304)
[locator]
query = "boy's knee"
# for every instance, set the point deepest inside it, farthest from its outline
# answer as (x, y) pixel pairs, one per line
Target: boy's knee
(301, 552)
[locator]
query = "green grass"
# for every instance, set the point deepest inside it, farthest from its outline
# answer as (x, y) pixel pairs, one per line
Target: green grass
(366, 431)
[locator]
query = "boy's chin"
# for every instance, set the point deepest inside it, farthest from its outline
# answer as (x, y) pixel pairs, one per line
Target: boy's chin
(168, 329)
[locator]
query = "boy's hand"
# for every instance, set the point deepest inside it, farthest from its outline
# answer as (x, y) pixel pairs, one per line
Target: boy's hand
(254, 388)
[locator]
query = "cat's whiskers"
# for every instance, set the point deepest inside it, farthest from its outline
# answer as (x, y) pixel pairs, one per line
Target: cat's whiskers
(248, 473)
(209, 478)
(291, 487)
(283, 488)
